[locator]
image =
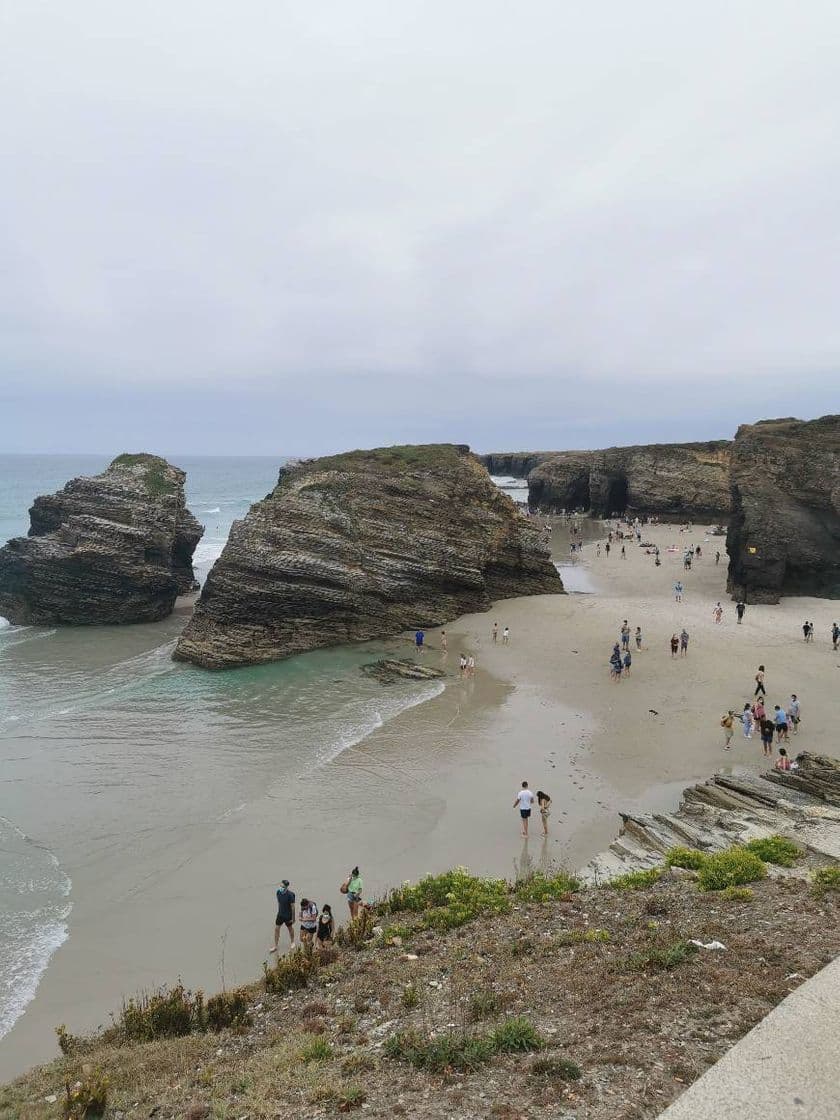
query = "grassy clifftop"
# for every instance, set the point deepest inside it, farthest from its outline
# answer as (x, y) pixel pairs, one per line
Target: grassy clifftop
(471, 998)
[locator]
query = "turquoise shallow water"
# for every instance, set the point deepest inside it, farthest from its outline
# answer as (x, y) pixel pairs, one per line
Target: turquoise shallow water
(111, 754)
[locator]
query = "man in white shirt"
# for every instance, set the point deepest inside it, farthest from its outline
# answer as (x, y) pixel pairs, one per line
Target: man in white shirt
(524, 800)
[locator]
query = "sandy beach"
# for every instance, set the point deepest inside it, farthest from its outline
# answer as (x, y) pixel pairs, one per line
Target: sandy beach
(434, 786)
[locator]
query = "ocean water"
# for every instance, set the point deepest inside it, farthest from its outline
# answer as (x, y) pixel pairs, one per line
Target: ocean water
(116, 761)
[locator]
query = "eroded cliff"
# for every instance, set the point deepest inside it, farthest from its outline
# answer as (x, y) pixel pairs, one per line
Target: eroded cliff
(113, 548)
(784, 535)
(673, 481)
(364, 545)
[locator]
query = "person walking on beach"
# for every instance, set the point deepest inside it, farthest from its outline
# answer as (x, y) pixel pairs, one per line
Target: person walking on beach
(615, 664)
(418, 640)
(747, 721)
(623, 553)
(285, 915)
(678, 591)
(638, 637)
(353, 887)
(506, 636)
(443, 640)
(759, 682)
(598, 549)
(308, 921)
(717, 557)
(683, 642)
(835, 635)
(767, 727)
(628, 661)
(607, 548)
(718, 613)
(727, 723)
(739, 610)
(523, 802)
(544, 804)
(495, 632)
(810, 631)
(463, 665)
(625, 635)
(793, 713)
(780, 719)
(758, 710)
(806, 629)
(326, 927)
(471, 666)
(675, 645)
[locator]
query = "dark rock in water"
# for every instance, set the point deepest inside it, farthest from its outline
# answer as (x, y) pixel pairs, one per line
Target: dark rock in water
(672, 481)
(389, 669)
(364, 545)
(784, 536)
(109, 549)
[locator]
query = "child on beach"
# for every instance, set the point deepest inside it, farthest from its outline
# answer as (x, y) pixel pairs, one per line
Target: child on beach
(782, 762)
(747, 721)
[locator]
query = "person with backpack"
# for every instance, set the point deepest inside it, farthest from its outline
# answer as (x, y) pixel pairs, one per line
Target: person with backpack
(308, 921)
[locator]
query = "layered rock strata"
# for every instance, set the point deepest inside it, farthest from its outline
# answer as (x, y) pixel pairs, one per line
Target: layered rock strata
(113, 548)
(364, 545)
(784, 535)
(513, 464)
(802, 804)
(673, 481)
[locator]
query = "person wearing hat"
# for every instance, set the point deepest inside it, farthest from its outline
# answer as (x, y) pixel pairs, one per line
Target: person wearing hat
(285, 915)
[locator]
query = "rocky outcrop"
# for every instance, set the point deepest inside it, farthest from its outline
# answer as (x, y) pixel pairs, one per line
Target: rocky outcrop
(513, 464)
(784, 535)
(802, 804)
(360, 546)
(113, 548)
(387, 670)
(673, 481)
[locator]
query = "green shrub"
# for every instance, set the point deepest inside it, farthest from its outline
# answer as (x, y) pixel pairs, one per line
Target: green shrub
(581, 936)
(685, 857)
(516, 1035)
(776, 849)
(826, 879)
(87, 1097)
(410, 997)
(635, 880)
(317, 1049)
(540, 887)
(167, 1013)
(228, 1009)
(483, 1005)
(358, 931)
(443, 1052)
(560, 1068)
(668, 957)
(730, 868)
(450, 900)
(350, 1097)
(738, 894)
(291, 972)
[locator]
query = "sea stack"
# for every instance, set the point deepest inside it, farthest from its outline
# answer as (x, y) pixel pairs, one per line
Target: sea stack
(364, 545)
(784, 536)
(109, 549)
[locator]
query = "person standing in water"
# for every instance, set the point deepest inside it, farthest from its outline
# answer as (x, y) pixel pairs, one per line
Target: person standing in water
(285, 915)
(523, 802)
(544, 803)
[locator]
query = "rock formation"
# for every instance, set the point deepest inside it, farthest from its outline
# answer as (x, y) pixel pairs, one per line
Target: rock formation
(364, 545)
(513, 464)
(109, 549)
(784, 535)
(387, 670)
(673, 481)
(803, 804)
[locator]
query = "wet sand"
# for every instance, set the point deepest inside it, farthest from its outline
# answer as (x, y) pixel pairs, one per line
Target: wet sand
(434, 787)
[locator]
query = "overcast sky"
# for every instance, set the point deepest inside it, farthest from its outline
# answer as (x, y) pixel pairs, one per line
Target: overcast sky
(291, 228)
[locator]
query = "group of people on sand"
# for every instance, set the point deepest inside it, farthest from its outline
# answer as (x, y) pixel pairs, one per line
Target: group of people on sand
(621, 659)
(317, 928)
(756, 718)
(524, 801)
(808, 633)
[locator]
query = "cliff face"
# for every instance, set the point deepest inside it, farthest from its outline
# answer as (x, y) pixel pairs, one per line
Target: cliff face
(109, 549)
(784, 536)
(676, 481)
(513, 464)
(360, 546)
